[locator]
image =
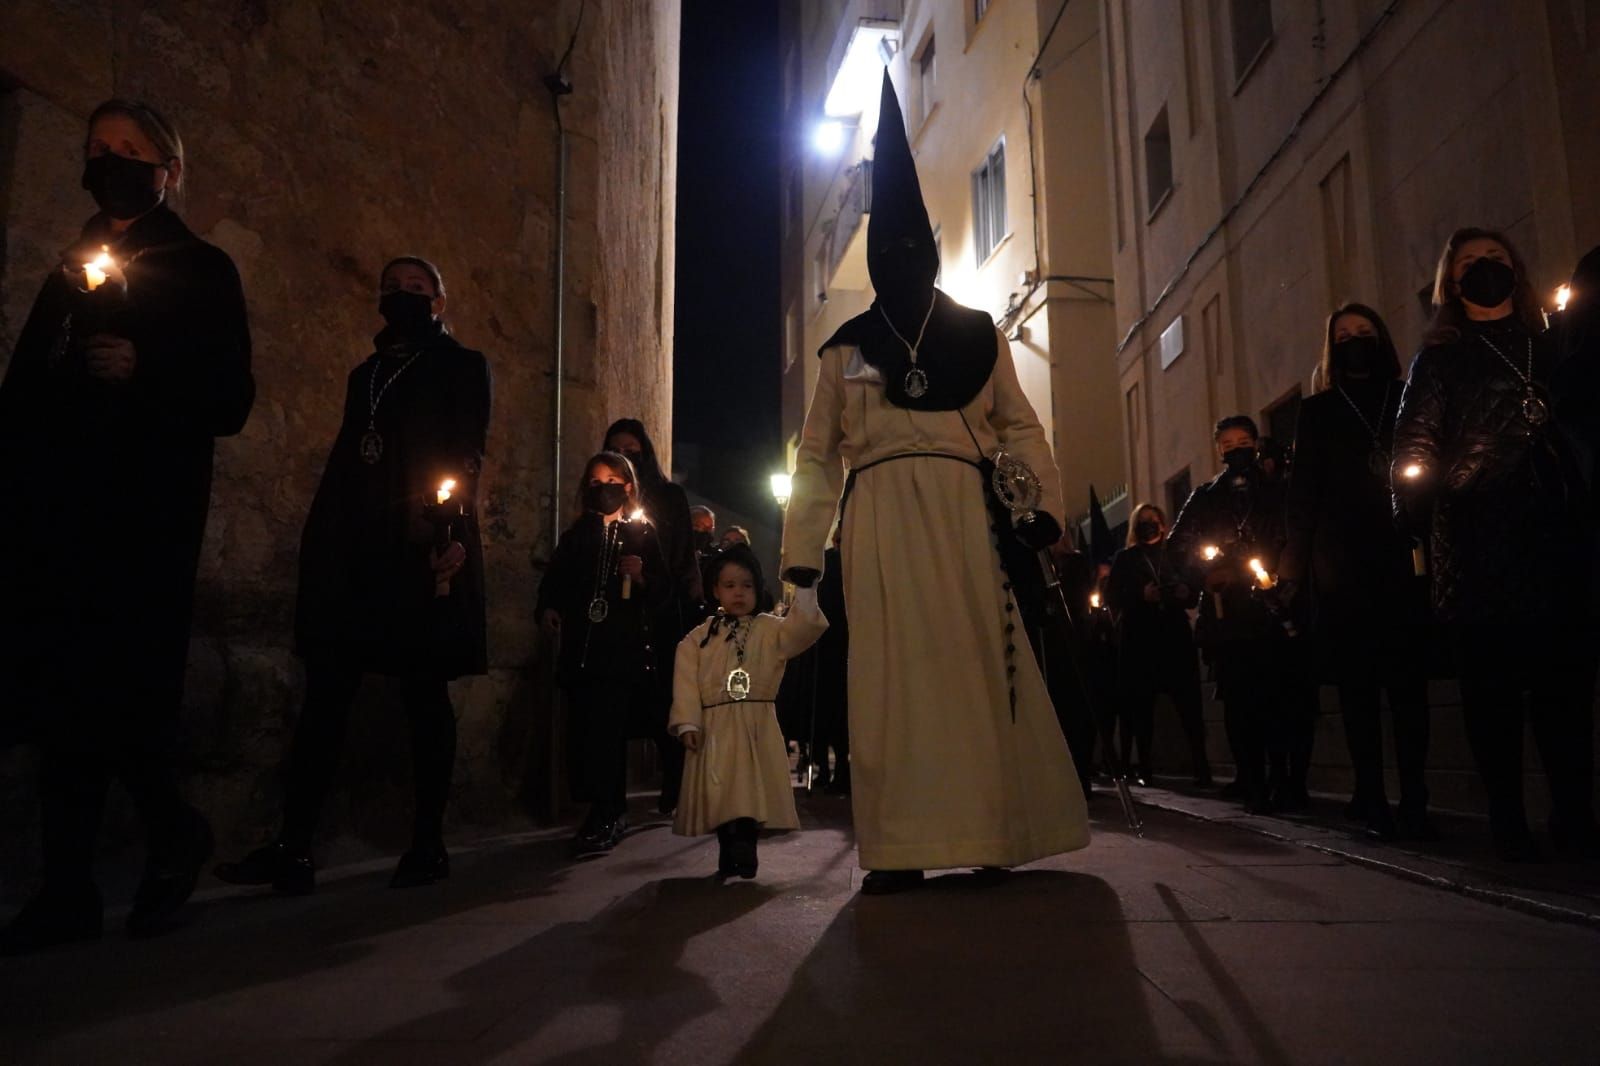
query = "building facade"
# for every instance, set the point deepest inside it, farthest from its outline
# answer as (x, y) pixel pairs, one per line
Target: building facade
(1003, 102)
(323, 140)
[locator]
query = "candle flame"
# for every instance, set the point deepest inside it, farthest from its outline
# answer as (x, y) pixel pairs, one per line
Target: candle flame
(1411, 472)
(95, 270)
(636, 515)
(1210, 552)
(1263, 578)
(445, 488)
(1094, 601)
(1563, 294)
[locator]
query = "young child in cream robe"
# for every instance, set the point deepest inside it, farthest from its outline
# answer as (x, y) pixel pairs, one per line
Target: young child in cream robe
(725, 682)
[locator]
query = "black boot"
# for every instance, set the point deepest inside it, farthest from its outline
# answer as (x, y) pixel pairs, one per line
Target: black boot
(54, 916)
(726, 844)
(746, 831)
(424, 864)
(169, 879)
(287, 870)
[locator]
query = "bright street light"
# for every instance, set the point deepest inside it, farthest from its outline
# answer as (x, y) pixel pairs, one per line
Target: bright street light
(781, 485)
(828, 137)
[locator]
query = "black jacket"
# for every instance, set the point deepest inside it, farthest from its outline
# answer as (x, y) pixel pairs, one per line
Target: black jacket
(1242, 516)
(1504, 502)
(621, 646)
(1148, 631)
(1343, 547)
(366, 598)
(108, 485)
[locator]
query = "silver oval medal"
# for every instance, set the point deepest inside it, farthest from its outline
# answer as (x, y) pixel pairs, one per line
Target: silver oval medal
(916, 383)
(371, 447)
(598, 609)
(1535, 410)
(739, 684)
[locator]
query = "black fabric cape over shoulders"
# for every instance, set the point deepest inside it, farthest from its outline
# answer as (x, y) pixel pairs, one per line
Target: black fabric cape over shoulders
(112, 481)
(366, 596)
(957, 354)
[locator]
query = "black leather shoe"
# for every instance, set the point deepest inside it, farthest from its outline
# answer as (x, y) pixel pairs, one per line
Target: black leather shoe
(1381, 825)
(888, 882)
(51, 919)
(169, 881)
(288, 872)
(421, 866)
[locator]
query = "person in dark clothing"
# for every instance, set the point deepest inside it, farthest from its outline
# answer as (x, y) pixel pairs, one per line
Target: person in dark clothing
(1149, 602)
(1228, 539)
(1367, 604)
(607, 584)
(391, 573)
(122, 378)
(831, 687)
(1489, 466)
(668, 507)
(1064, 641)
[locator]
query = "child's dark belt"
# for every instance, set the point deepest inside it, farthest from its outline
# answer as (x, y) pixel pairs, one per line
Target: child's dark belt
(733, 703)
(850, 479)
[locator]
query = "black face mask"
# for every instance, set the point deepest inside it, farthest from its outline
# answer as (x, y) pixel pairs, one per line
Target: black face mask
(1239, 460)
(1146, 531)
(123, 187)
(1356, 355)
(1487, 283)
(605, 498)
(407, 312)
(702, 541)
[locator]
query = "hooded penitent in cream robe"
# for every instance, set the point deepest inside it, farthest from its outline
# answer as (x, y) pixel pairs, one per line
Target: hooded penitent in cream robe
(944, 774)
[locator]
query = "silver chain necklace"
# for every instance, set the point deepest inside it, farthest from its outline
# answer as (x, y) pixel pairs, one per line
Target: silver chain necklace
(1534, 409)
(1378, 461)
(739, 678)
(610, 553)
(916, 381)
(372, 440)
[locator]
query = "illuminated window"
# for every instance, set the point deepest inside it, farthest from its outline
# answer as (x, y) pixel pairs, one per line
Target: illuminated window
(989, 202)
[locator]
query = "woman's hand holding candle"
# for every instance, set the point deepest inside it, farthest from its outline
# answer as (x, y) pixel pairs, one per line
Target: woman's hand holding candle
(447, 563)
(110, 358)
(631, 567)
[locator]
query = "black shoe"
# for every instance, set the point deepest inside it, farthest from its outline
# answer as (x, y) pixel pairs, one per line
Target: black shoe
(598, 835)
(1260, 801)
(1414, 824)
(1381, 824)
(288, 872)
(840, 785)
(1139, 776)
(169, 881)
(51, 919)
(421, 866)
(887, 882)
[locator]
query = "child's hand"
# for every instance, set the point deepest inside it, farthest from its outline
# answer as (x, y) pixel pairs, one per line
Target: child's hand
(691, 739)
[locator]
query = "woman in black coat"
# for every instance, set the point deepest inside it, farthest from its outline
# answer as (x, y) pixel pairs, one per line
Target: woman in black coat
(108, 413)
(1149, 604)
(607, 585)
(668, 507)
(391, 572)
(1487, 466)
(1369, 607)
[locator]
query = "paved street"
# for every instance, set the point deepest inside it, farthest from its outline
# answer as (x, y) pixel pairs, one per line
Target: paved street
(1203, 942)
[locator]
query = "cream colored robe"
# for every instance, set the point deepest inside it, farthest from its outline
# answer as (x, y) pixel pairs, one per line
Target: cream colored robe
(742, 767)
(941, 775)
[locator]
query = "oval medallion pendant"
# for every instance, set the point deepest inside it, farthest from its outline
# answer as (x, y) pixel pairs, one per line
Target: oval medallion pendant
(1535, 410)
(739, 684)
(916, 383)
(371, 447)
(1378, 462)
(598, 609)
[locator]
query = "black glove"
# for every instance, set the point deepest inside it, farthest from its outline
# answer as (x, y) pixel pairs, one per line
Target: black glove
(1039, 532)
(801, 576)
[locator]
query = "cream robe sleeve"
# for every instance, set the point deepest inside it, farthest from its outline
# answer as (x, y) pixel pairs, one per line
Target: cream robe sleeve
(802, 626)
(1017, 425)
(687, 714)
(818, 472)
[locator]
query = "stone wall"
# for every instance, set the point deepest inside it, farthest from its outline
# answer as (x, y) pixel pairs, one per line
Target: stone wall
(322, 140)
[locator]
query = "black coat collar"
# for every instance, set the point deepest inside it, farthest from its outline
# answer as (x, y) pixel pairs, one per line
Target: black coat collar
(958, 353)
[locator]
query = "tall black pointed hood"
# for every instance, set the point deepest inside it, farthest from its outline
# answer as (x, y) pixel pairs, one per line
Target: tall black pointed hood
(959, 346)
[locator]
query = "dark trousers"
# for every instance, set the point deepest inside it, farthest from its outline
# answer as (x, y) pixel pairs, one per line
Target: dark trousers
(1556, 670)
(1366, 667)
(319, 742)
(669, 750)
(122, 723)
(1171, 670)
(1253, 674)
(597, 744)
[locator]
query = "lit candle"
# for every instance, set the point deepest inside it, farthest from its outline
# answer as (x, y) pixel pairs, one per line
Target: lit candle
(96, 270)
(1210, 552)
(445, 489)
(1563, 294)
(1263, 578)
(627, 582)
(1094, 601)
(443, 517)
(1412, 471)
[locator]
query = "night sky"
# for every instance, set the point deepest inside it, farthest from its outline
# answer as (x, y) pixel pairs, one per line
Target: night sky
(729, 325)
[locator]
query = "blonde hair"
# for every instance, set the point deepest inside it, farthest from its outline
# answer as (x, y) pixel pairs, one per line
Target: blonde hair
(153, 124)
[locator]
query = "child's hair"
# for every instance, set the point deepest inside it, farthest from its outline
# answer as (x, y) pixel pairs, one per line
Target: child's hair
(736, 555)
(620, 466)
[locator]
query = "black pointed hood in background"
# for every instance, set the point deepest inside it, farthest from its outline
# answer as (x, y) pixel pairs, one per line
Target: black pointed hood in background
(960, 345)
(902, 259)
